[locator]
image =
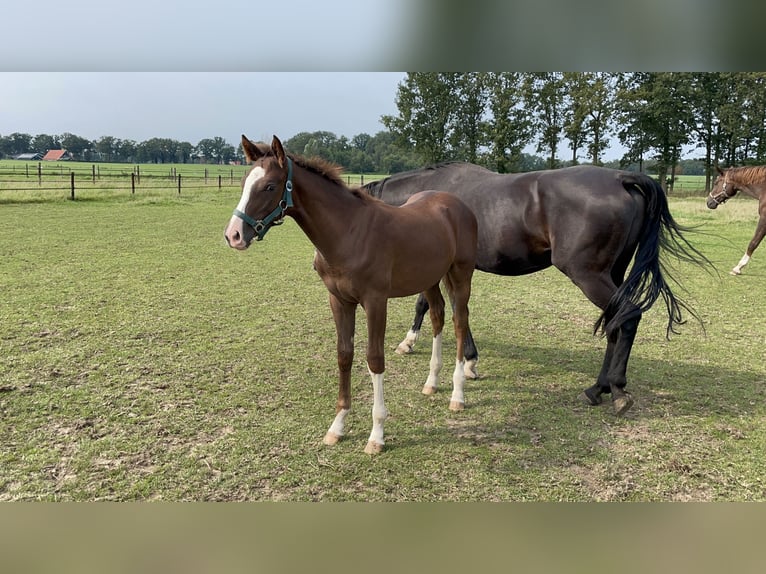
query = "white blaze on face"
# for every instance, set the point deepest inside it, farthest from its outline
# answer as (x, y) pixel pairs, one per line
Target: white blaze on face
(256, 174)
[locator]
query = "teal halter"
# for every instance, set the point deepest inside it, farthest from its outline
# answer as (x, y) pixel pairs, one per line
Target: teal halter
(276, 217)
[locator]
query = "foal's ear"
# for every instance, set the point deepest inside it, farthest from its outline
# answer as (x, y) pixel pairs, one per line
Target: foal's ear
(719, 169)
(279, 151)
(252, 152)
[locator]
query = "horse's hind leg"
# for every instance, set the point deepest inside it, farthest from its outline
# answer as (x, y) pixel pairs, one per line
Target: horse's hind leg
(471, 352)
(612, 377)
(421, 308)
(459, 287)
(436, 308)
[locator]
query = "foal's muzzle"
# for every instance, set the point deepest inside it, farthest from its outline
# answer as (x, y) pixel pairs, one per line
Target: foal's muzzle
(239, 234)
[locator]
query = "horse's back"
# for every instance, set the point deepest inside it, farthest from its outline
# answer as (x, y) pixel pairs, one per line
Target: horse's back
(525, 220)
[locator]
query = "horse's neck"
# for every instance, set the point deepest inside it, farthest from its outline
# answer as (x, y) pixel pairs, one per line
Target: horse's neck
(323, 209)
(756, 190)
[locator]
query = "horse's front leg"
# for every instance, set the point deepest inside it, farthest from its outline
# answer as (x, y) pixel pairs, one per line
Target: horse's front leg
(760, 232)
(345, 322)
(376, 365)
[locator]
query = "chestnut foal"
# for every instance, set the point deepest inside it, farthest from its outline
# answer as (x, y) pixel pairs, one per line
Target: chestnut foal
(366, 252)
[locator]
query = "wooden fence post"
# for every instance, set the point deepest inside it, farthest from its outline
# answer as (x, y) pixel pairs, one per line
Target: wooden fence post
(133, 183)
(219, 183)
(179, 184)
(72, 178)
(93, 169)
(39, 174)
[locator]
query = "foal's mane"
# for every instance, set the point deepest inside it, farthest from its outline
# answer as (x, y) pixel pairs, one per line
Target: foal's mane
(748, 175)
(329, 171)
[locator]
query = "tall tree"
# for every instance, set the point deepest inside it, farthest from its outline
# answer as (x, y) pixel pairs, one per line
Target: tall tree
(509, 129)
(41, 143)
(631, 106)
(468, 124)
(79, 147)
(544, 93)
(591, 106)
(16, 143)
(106, 147)
(753, 88)
(706, 97)
(656, 113)
(426, 102)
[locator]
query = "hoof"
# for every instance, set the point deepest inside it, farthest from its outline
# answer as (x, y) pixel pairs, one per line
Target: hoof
(331, 439)
(735, 272)
(403, 349)
(428, 390)
(456, 406)
(373, 448)
(591, 398)
(622, 404)
(469, 369)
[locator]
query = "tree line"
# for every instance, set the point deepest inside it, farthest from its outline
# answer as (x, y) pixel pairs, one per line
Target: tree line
(112, 149)
(491, 118)
(495, 118)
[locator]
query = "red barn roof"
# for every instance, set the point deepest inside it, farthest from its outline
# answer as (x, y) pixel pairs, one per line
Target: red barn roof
(57, 154)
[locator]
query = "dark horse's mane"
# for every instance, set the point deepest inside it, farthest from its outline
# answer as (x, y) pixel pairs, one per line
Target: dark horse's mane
(748, 175)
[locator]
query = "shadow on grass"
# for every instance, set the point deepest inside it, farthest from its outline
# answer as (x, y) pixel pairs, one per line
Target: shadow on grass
(685, 388)
(511, 407)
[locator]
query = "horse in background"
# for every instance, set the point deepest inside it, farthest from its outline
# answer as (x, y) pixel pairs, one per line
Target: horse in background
(750, 180)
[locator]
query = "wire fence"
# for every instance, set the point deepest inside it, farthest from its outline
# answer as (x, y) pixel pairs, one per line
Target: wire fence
(72, 179)
(50, 180)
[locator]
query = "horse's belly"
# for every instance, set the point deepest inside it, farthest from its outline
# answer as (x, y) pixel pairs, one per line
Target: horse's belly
(411, 280)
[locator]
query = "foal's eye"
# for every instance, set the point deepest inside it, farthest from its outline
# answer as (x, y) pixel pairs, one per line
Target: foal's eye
(269, 187)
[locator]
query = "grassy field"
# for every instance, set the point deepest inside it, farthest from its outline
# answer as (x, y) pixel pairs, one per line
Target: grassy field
(141, 359)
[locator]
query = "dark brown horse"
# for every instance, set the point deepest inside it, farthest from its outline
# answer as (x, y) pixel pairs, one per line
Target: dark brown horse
(366, 252)
(586, 221)
(749, 180)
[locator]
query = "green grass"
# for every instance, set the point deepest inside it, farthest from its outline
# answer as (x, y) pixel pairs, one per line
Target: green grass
(144, 360)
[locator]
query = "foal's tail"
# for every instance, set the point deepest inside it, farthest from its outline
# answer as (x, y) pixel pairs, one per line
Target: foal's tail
(646, 281)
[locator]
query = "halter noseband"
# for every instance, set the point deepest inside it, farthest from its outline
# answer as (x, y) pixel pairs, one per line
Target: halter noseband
(722, 197)
(276, 217)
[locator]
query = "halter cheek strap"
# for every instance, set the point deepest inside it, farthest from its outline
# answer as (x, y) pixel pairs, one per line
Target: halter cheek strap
(277, 216)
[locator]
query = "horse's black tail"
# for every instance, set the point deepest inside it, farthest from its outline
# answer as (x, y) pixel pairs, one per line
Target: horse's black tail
(646, 281)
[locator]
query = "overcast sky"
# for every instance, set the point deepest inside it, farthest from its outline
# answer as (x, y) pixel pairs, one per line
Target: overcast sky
(190, 106)
(95, 68)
